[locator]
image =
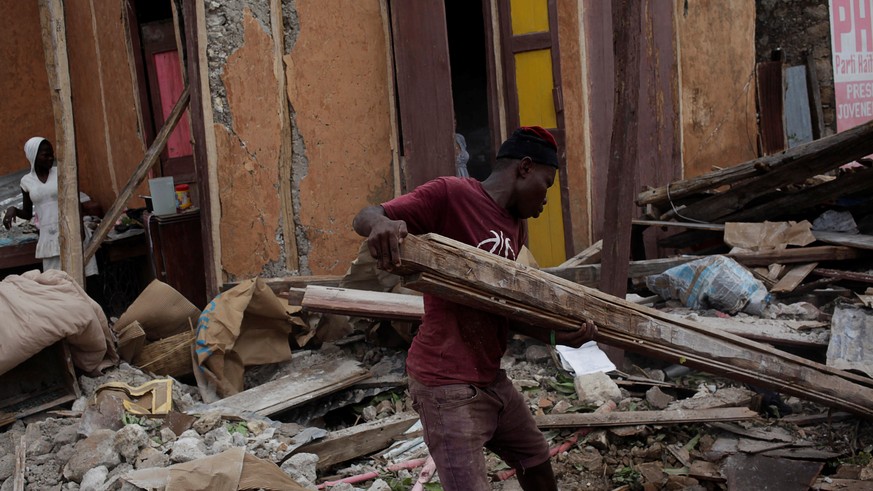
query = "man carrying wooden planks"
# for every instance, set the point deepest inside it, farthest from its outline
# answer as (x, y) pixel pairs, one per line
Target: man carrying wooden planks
(465, 401)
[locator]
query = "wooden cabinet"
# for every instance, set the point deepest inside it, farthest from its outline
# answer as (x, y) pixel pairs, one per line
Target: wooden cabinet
(176, 253)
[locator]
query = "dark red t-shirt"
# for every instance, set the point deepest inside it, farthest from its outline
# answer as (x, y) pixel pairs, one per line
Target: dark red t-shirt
(458, 344)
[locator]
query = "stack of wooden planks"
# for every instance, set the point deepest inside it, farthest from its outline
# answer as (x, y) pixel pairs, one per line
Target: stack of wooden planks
(466, 275)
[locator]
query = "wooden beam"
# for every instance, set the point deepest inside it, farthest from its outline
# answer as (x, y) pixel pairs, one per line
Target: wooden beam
(284, 283)
(305, 385)
(54, 38)
(844, 275)
(504, 287)
(826, 153)
(139, 174)
(286, 200)
(633, 418)
(362, 303)
(357, 441)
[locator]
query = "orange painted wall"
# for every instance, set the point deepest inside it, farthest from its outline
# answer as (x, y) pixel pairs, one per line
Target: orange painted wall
(338, 88)
(108, 142)
(248, 156)
(26, 109)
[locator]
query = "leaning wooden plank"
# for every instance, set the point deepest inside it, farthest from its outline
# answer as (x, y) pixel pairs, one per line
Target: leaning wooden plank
(793, 278)
(825, 154)
(139, 174)
(358, 441)
(362, 303)
(295, 389)
(632, 418)
(505, 287)
(54, 39)
(589, 256)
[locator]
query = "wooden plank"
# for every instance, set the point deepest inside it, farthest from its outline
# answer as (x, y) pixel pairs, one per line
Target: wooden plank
(424, 89)
(770, 87)
(797, 255)
(54, 35)
(307, 384)
(793, 278)
(20, 464)
(357, 441)
(139, 174)
(622, 174)
(858, 241)
(802, 453)
(633, 418)
(590, 255)
(822, 155)
(589, 274)
(286, 282)
(844, 275)
(502, 286)
(815, 107)
(814, 419)
(779, 332)
(362, 303)
(808, 198)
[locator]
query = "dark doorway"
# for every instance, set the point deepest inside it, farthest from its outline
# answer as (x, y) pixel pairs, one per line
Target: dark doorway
(465, 25)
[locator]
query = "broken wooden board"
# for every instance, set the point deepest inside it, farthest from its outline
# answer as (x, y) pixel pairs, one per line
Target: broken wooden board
(632, 418)
(820, 154)
(307, 384)
(362, 303)
(357, 441)
(802, 453)
(796, 255)
(286, 282)
(786, 332)
(843, 275)
(858, 241)
(769, 474)
(769, 434)
(793, 278)
(476, 278)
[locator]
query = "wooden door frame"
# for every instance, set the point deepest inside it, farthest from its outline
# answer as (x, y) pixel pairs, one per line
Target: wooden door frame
(510, 45)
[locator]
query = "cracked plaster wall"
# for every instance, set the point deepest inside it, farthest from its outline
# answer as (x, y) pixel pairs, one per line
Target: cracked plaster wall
(337, 85)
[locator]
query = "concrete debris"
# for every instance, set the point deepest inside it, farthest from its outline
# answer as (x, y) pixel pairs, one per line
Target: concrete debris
(596, 388)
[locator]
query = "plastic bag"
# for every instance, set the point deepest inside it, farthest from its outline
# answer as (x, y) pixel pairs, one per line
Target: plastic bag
(716, 282)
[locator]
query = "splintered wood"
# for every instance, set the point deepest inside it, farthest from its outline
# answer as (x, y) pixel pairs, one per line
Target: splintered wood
(464, 274)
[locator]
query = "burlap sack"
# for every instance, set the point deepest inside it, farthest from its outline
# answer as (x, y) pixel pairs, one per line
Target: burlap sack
(161, 311)
(246, 325)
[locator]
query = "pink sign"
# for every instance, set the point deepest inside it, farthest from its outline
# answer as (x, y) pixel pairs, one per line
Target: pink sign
(852, 48)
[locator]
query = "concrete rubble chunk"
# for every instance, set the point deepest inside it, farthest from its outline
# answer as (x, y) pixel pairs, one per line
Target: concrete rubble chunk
(537, 353)
(129, 440)
(94, 479)
(301, 468)
(187, 448)
(851, 343)
(379, 485)
(596, 388)
(657, 399)
(207, 422)
(94, 451)
(7, 466)
(149, 457)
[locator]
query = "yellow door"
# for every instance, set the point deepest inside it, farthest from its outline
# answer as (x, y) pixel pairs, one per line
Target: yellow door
(530, 51)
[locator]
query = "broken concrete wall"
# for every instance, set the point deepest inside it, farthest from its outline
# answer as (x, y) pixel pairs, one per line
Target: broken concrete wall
(800, 28)
(717, 85)
(337, 86)
(26, 110)
(109, 143)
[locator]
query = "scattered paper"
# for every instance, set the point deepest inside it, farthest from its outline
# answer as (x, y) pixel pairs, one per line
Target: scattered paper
(588, 358)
